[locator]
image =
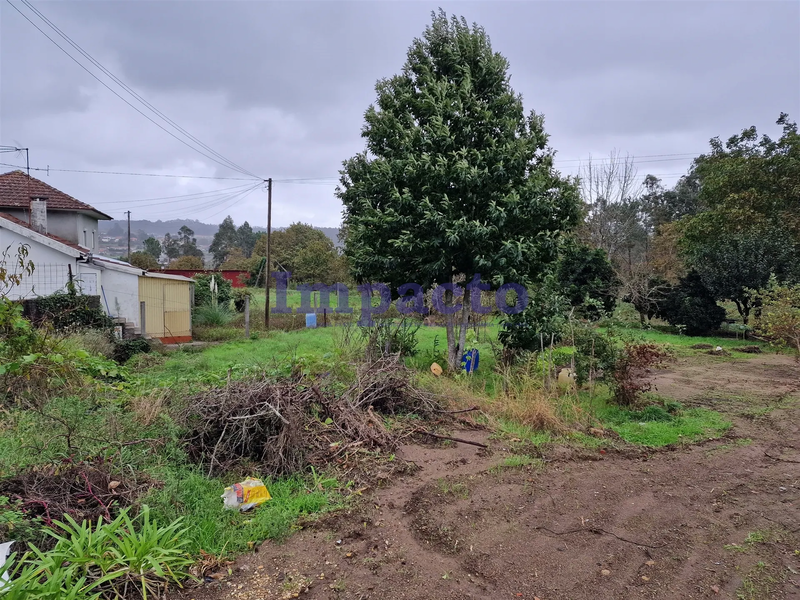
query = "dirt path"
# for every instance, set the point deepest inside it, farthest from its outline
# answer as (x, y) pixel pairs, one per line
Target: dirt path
(626, 525)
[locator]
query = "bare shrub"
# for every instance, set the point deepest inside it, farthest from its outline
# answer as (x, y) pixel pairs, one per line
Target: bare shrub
(286, 425)
(631, 376)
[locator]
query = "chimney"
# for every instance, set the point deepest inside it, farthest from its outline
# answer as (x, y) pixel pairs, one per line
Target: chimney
(39, 214)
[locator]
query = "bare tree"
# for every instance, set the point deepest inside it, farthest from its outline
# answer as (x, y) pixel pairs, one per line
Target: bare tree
(614, 221)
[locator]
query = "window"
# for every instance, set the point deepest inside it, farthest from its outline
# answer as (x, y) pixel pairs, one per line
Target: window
(85, 239)
(93, 240)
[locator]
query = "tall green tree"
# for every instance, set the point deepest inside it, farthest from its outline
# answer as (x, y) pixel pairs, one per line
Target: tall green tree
(225, 240)
(750, 188)
(171, 246)
(153, 247)
(456, 179)
(246, 239)
(188, 243)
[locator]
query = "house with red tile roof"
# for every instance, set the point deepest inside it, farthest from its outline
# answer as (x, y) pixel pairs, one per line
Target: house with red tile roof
(66, 217)
(59, 234)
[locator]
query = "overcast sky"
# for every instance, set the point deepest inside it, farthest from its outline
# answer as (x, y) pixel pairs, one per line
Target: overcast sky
(280, 89)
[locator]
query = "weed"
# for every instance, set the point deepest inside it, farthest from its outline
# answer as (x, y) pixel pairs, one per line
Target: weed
(457, 490)
(518, 460)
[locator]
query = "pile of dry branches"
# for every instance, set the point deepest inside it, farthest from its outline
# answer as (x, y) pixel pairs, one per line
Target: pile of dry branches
(85, 491)
(281, 427)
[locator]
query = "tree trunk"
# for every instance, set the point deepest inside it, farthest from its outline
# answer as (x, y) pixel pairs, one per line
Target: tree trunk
(457, 332)
(743, 306)
(452, 343)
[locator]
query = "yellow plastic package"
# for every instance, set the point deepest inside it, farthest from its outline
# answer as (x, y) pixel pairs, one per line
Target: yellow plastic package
(245, 494)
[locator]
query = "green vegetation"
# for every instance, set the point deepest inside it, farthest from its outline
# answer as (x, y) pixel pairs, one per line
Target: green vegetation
(653, 426)
(192, 495)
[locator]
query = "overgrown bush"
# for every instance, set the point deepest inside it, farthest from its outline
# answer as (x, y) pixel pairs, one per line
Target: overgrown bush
(585, 273)
(630, 377)
(239, 296)
(595, 355)
(68, 310)
(690, 304)
(543, 320)
(34, 363)
(778, 318)
(125, 349)
(388, 336)
(202, 290)
(102, 560)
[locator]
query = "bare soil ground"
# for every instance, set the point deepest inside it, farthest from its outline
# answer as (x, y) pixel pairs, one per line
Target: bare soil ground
(714, 520)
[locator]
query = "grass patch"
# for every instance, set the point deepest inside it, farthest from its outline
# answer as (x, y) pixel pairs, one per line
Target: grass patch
(448, 488)
(654, 427)
(190, 494)
(516, 461)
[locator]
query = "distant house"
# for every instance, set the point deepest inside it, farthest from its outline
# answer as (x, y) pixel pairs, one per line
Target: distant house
(60, 233)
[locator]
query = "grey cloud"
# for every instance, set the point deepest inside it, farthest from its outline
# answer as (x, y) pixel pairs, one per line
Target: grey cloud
(281, 87)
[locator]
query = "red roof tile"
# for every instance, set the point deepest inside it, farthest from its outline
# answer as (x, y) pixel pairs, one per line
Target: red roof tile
(17, 221)
(16, 190)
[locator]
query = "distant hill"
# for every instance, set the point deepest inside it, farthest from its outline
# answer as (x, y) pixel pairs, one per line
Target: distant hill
(158, 228)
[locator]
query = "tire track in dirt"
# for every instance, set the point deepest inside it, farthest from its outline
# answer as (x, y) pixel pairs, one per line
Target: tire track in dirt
(627, 525)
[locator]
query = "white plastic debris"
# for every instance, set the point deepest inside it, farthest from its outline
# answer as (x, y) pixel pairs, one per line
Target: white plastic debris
(5, 550)
(719, 349)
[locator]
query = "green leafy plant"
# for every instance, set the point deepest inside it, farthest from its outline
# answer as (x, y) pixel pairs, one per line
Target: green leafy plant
(778, 319)
(239, 296)
(125, 349)
(103, 560)
(202, 290)
(389, 337)
(691, 304)
(68, 310)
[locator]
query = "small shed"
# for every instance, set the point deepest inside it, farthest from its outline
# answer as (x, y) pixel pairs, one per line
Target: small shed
(166, 305)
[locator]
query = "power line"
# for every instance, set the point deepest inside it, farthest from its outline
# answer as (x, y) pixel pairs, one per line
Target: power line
(176, 199)
(48, 169)
(132, 91)
(104, 84)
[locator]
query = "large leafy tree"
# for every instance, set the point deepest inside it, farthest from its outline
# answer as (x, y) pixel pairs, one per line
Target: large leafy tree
(456, 179)
(288, 244)
(751, 226)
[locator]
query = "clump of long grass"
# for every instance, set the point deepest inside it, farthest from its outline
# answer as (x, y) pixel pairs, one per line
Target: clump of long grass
(526, 397)
(212, 315)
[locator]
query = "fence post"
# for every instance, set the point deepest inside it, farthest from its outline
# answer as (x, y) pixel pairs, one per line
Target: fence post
(142, 323)
(247, 316)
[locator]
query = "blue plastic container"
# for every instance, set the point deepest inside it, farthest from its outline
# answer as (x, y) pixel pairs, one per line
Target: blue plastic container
(311, 320)
(470, 360)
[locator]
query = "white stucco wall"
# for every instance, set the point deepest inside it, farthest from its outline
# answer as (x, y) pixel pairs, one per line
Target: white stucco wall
(51, 271)
(119, 295)
(67, 225)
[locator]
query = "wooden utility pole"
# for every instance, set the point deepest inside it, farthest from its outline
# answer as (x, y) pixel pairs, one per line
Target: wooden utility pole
(129, 235)
(267, 265)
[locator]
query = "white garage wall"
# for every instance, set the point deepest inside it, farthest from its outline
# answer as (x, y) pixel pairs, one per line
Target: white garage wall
(119, 295)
